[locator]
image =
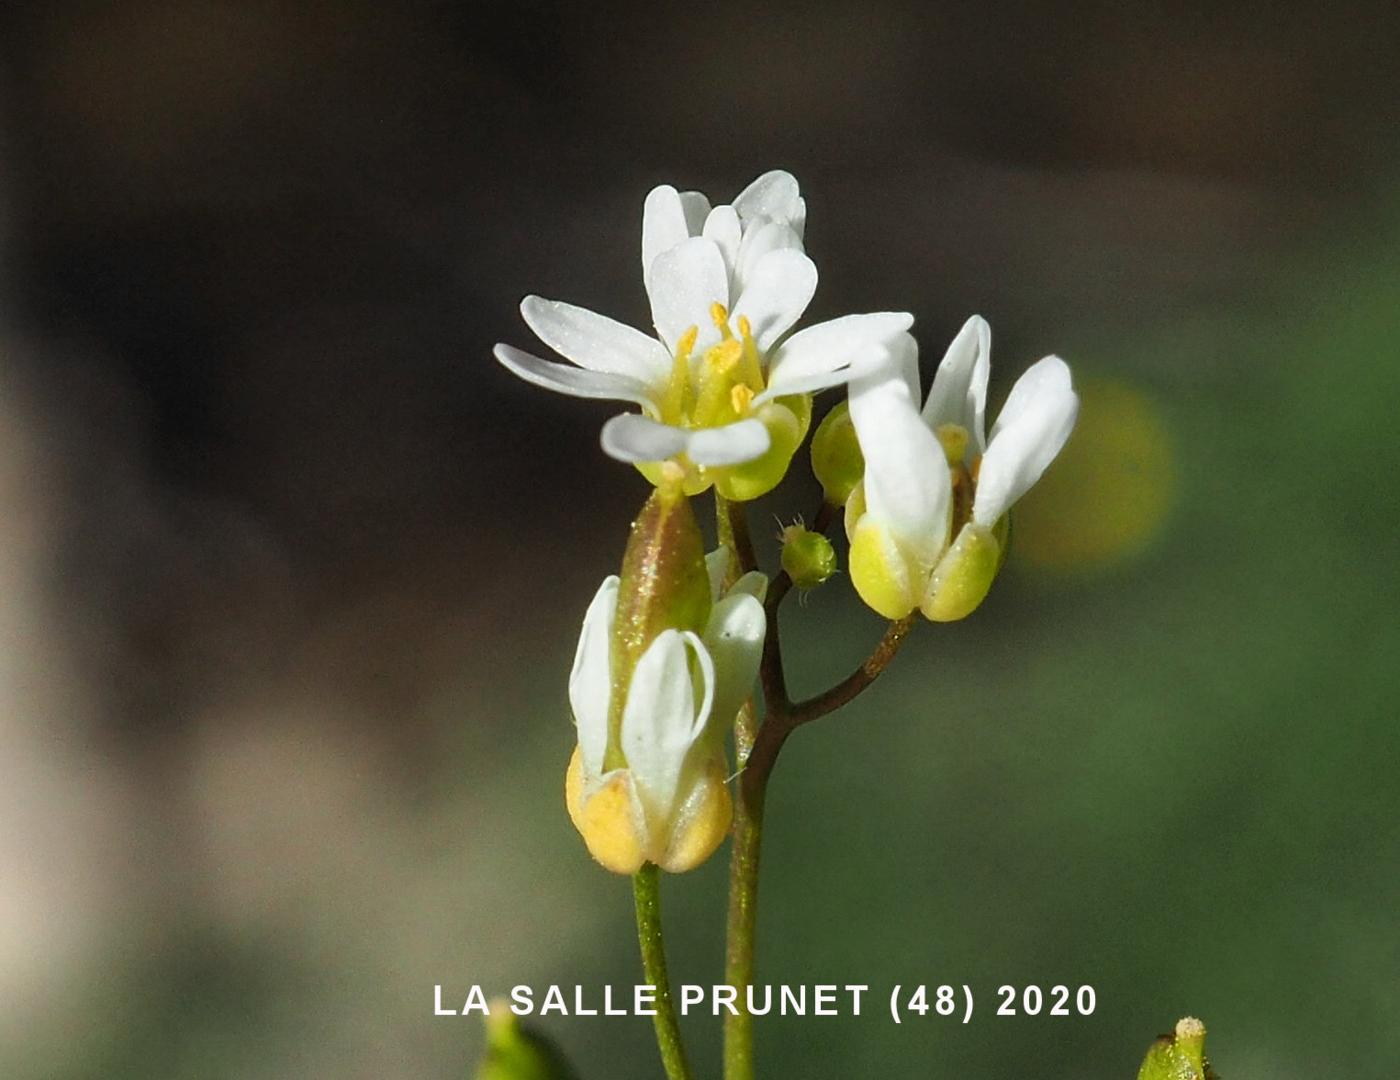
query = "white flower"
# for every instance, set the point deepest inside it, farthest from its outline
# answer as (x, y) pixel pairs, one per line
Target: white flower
(653, 789)
(932, 474)
(726, 285)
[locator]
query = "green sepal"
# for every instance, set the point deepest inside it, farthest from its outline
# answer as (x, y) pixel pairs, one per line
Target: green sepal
(837, 461)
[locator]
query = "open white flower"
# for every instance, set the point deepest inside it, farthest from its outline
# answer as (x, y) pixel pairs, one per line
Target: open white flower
(934, 474)
(649, 785)
(723, 388)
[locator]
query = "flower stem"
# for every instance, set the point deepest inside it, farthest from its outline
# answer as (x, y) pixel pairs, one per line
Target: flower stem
(646, 890)
(742, 923)
(756, 750)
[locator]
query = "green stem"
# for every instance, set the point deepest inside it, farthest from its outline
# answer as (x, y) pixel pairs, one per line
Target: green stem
(743, 912)
(756, 750)
(646, 889)
(732, 527)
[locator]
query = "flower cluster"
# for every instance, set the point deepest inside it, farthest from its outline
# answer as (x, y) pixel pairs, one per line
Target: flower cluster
(724, 389)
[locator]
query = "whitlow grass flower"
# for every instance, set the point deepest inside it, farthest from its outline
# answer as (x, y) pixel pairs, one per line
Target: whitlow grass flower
(724, 386)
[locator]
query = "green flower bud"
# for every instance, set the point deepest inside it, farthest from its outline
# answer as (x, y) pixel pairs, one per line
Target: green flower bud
(808, 557)
(836, 457)
(1180, 1056)
(514, 1052)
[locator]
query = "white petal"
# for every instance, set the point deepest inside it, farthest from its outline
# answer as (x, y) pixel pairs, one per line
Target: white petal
(906, 485)
(734, 637)
(596, 342)
(716, 566)
(754, 583)
(639, 439)
(731, 444)
(722, 226)
(576, 382)
(761, 238)
(830, 347)
(1035, 422)
(661, 719)
(590, 681)
(774, 195)
(798, 220)
(663, 225)
(959, 394)
(776, 294)
(696, 208)
(686, 281)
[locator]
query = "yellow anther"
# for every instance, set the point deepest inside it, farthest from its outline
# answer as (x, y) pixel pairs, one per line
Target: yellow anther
(687, 341)
(745, 327)
(722, 357)
(954, 438)
(740, 397)
(719, 315)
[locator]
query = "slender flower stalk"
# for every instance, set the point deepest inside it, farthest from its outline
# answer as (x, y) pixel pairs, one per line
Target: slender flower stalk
(756, 750)
(646, 891)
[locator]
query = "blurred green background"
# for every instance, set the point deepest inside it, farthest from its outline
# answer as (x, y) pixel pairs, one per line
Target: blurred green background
(292, 572)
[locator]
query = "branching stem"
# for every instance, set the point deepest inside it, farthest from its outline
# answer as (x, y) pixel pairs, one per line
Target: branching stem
(757, 748)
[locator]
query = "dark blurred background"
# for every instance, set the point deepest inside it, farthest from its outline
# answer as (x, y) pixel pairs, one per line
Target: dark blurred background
(291, 571)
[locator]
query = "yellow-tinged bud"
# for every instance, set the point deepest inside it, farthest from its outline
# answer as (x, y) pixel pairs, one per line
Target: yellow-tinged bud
(963, 576)
(880, 572)
(836, 457)
(808, 557)
(739, 483)
(609, 818)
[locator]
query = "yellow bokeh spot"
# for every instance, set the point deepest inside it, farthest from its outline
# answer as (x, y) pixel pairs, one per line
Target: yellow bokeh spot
(1111, 489)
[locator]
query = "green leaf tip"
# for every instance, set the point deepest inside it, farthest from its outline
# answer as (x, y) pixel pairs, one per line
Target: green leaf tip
(515, 1052)
(1179, 1056)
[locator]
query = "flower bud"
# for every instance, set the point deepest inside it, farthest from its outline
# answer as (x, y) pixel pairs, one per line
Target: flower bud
(660, 655)
(1180, 1056)
(808, 557)
(515, 1052)
(837, 460)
